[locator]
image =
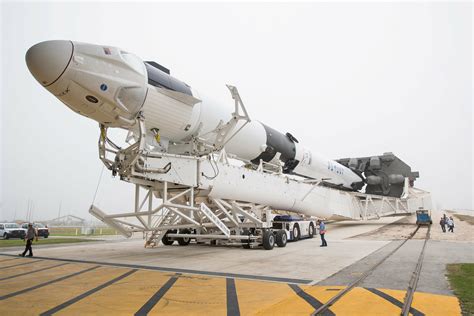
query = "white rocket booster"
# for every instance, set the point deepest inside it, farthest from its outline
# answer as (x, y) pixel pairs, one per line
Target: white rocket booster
(112, 86)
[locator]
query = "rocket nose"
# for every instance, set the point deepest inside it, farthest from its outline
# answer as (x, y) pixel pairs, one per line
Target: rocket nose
(48, 60)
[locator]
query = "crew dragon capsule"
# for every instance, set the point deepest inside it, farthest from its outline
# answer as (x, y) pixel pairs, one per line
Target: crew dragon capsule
(113, 87)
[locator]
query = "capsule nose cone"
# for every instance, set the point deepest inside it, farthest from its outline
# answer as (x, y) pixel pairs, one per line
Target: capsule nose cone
(48, 60)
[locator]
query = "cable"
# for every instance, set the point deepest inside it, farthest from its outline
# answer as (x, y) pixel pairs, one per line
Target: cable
(216, 172)
(98, 183)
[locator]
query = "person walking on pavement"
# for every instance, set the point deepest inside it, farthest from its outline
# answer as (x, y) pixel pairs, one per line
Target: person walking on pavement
(322, 232)
(442, 223)
(451, 224)
(445, 221)
(30, 235)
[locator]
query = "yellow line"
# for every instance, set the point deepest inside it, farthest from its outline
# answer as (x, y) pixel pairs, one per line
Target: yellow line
(122, 298)
(194, 295)
(25, 268)
(191, 295)
(430, 304)
(17, 260)
(258, 298)
(359, 301)
(16, 284)
(43, 299)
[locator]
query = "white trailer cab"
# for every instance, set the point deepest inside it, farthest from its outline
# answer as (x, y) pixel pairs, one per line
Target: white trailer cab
(296, 227)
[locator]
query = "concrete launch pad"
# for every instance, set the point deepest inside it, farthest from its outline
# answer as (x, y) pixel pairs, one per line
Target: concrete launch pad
(123, 277)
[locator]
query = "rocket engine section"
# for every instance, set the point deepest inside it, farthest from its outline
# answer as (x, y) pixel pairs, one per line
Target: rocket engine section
(385, 174)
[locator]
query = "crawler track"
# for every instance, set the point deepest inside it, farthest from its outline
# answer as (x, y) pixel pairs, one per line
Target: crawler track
(411, 287)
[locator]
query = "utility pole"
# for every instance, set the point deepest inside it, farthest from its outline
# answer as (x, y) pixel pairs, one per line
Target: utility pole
(59, 211)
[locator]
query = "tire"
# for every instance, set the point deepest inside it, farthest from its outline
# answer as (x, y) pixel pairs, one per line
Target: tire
(296, 232)
(268, 240)
(246, 243)
(311, 230)
(46, 236)
(5, 236)
(281, 238)
(184, 241)
(166, 240)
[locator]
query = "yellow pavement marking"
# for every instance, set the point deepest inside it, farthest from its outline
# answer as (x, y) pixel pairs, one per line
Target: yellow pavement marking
(359, 301)
(430, 304)
(26, 268)
(433, 304)
(255, 297)
(122, 298)
(16, 284)
(293, 304)
(194, 295)
(47, 297)
(9, 260)
(190, 294)
(12, 262)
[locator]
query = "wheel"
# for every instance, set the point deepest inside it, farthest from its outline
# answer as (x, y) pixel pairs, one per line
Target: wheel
(311, 230)
(268, 240)
(246, 243)
(184, 241)
(46, 236)
(296, 232)
(166, 240)
(5, 236)
(281, 238)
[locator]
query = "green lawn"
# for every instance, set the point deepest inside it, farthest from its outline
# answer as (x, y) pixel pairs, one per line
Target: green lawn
(467, 218)
(71, 231)
(461, 278)
(41, 241)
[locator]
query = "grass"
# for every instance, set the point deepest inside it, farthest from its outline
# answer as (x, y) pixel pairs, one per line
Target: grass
(42, 241)
(71, 231)
(461, 278)
(466, 218)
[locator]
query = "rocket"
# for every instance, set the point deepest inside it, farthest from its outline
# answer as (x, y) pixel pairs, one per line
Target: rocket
(113, 87)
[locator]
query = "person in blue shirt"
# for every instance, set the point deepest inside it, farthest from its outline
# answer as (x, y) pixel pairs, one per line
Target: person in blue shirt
(322, 232)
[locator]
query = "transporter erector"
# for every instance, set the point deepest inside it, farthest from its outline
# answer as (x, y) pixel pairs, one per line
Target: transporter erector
(191, 150)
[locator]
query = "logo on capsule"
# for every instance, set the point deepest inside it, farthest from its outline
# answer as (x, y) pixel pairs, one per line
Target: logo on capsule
(91, 99)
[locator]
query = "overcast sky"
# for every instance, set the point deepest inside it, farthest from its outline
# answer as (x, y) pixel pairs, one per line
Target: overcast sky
(347, 80)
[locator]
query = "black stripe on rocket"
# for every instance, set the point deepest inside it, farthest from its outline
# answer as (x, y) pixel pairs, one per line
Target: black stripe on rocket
(279, 143)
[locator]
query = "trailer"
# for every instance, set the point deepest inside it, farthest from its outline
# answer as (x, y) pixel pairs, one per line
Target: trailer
(215, 199)
(199, 192)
